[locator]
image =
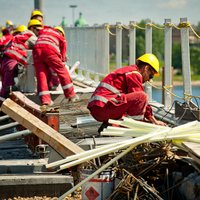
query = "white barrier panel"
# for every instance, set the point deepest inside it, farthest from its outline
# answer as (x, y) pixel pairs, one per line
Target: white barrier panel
(89, 45)
(27, 80)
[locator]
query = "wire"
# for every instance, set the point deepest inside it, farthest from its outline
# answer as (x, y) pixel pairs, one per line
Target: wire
(168, 110)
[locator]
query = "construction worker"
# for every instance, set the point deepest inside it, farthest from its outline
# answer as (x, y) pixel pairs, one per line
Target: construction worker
(5, 31)
(37, 14)
(9, 26)
(15, 56)
(121, 93)
(7, 38)
(20, 29)
(4, 41)
(53, 80)
(50, 52)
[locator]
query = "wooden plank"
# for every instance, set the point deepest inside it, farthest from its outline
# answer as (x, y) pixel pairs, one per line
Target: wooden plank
(22, 99)
(57, 141)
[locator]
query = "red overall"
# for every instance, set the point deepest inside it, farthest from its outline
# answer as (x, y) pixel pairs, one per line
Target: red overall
(50, 52)
(14, 54)
(4, 41)
(120, 93)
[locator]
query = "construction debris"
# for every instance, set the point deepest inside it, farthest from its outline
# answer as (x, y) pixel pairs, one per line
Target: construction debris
(150, 161)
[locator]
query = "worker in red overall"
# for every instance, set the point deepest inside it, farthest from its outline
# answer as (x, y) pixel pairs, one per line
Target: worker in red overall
(53, 80)
(50, 52)
(4, 41)
(15, 56)
(121, 92)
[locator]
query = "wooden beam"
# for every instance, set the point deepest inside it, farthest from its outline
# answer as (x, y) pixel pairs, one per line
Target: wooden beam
(57, 141)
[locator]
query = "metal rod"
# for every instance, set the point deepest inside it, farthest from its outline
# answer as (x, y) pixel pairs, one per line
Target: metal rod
(10, 125)
(15, 135)
(2, 118)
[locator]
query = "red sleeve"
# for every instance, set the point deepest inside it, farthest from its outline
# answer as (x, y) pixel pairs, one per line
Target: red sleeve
(148, 112)
(134, 82)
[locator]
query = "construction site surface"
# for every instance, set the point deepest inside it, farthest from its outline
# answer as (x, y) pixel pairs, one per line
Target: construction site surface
(34, 144)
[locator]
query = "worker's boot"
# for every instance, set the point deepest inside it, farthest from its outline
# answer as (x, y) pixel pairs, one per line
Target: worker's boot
(49, 108)
(103, 125)
(74, 99)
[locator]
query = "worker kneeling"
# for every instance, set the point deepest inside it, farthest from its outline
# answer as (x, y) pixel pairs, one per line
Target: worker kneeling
(121, 92)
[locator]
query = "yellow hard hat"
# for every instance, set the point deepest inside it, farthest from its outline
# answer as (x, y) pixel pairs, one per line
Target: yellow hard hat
(59, 28)
(150, 59)
(3, 28)
(9, 23)
(21, 28)
(36, 13)
(34, 22)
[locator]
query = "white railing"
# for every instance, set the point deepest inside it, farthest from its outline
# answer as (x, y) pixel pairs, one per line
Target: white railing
(91, 46)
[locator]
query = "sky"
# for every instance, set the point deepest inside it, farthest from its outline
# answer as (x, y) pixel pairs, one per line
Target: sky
(102, 11)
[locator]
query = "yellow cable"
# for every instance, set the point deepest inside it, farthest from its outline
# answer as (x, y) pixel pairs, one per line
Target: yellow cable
(108, 29)
(119, 26)
(138, 27)
(155, 26)
(195, 32)
(176, 27)
(184, 25)
(173, 93)
(125, 27)
(191, 96)
(167, 87)
(159, 88)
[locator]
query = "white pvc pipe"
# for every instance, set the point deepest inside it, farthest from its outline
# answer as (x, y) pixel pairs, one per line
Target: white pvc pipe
(74, 67)
(97, 172)
(113, 149)
(100, 149)
(138, 141)
(82, 154)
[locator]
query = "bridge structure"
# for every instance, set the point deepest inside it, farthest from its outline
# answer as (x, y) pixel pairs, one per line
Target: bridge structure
(91, 47)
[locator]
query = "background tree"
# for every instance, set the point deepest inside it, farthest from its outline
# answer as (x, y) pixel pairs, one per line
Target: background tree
(157, 40)
(195, 59)
(176, 56)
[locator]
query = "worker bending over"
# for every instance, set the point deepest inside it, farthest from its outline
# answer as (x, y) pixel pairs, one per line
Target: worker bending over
(15, 55)
(121, 92)
(49, 52)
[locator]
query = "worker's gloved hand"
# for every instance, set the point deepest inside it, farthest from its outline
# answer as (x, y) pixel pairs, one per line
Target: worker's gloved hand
(73, 99)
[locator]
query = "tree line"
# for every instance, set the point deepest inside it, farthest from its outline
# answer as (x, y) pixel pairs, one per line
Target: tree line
(158, 48)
